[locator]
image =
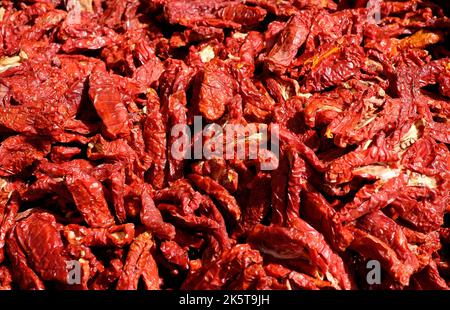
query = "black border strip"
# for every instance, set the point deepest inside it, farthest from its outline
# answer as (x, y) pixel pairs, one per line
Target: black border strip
(171, 299)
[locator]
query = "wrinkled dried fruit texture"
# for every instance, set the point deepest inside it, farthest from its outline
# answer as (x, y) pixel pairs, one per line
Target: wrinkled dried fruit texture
(216, 91)
(301, 243)
(289, 41)
(93, 94)
(108, 104)
(218, 13)
(36, 242)
(19, 152)
(152, 220)
(89, 198)
(231, 268)
(139, 263)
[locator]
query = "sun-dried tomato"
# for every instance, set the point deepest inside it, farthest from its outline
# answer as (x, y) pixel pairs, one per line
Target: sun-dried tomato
(290, 39)
(137, 262)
